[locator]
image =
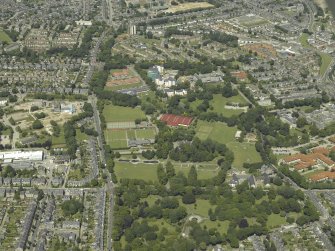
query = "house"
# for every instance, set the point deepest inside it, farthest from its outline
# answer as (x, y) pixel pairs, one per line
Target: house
(266, 180)
(234, 181)
(252, 181)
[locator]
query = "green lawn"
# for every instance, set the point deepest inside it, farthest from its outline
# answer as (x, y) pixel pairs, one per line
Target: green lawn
(136, 171)
(116, 139)
(147, 133)
(244, 153)
(221, 226)
(275, 220)
(303, 40)
(58, 141)
(219, 103)
(217, 131)
(201, 208)
(4, 37)
(205, 171)
(325, 61)
(114, 113)
(81, 136)
(122, 87)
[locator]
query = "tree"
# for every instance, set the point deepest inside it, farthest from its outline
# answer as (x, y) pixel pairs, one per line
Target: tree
(37, 124)
(192, 178)
(170, 171)
(188, 198)
(243, 223)
(162, 177)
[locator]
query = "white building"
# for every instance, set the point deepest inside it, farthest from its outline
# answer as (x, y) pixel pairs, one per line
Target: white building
(19, 155)
(84, 23)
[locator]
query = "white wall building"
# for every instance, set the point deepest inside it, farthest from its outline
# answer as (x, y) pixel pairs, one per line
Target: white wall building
(19, 155)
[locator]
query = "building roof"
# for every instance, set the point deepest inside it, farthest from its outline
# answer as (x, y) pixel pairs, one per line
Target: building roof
(322, 176)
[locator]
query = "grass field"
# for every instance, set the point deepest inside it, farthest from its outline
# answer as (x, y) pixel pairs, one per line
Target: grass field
(325, 61)
(122, 87)
(217, 131)
(138, 171)
(201, 208)
(81, 136)
(303, 40)
(275, 220)
(4, 37)
(149, 133)
(219, 103)
(221, 226)
(114, 113)
(220, 132)
(118, 139)
(204, 170)
(244, 153)
(58, 141)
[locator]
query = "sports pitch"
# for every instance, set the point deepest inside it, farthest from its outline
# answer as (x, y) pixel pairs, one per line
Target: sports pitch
(118, 139)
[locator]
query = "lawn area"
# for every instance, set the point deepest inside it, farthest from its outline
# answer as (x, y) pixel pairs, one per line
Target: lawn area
(116, 139)
(221, 226)
(201, 208)
(114, 113)
(325, 61)
(275, 220)
(122, 87)
(219, 103)
(205, 171)
(4, 37)
(81, 136)
(244, 153)
(58, 141)
(217, 131)
(147, 133)
(303, 40)
(136, 171)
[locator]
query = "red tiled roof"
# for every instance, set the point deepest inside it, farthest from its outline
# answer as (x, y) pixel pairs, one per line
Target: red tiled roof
(321, 150)
(322, 175)
(176, 120)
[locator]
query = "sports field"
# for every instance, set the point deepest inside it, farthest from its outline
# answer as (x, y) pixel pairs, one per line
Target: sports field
(114, 113)
(118, 139)
(145, 172)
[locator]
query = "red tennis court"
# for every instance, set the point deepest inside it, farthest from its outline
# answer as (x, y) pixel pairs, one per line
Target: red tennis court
(176, 120)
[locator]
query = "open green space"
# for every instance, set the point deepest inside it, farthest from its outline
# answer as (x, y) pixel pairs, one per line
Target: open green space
(145, 172)
(204, 170)
(122, 87)
(217, 131)
(200, 208)
(114, 113)
(304, 40)
(4, 37)
(80, 136)
(219, 102)
(325, 62)
(221, 226)
(116, 139)
(58, 141)
(275, 220)
(147, 133)
(244, 153)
